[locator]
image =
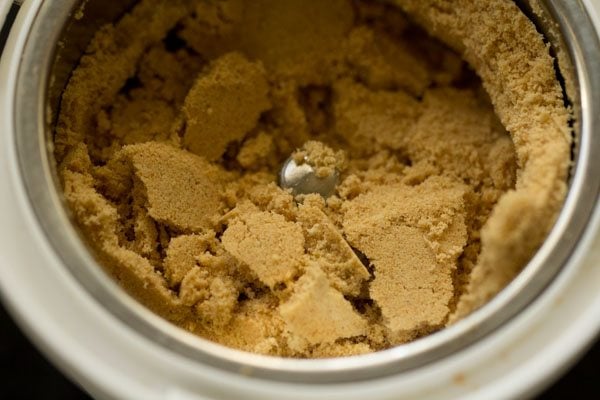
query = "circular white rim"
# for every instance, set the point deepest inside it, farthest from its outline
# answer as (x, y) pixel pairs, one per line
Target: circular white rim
(111, 360)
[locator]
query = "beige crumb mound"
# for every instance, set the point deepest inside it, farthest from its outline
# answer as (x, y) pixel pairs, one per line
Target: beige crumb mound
(452, 158)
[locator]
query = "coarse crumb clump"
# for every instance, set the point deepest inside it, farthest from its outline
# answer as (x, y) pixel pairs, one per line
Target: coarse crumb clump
(324, 161)
(452, 158)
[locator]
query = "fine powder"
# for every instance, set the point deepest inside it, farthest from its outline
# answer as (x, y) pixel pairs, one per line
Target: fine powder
(452, 157)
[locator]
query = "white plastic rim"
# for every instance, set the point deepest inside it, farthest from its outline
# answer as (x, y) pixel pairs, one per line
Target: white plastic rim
(110, 360)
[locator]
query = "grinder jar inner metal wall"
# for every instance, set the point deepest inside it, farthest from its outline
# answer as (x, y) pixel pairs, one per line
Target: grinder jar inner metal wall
(54, 45)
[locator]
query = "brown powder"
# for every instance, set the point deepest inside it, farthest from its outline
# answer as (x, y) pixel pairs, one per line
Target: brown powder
(516, 71)
(447, 183)
(231, 83)
(413, 235)
(163, 170)
(315, 300)
(271, 246)
(324, 161)
(326, 246)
